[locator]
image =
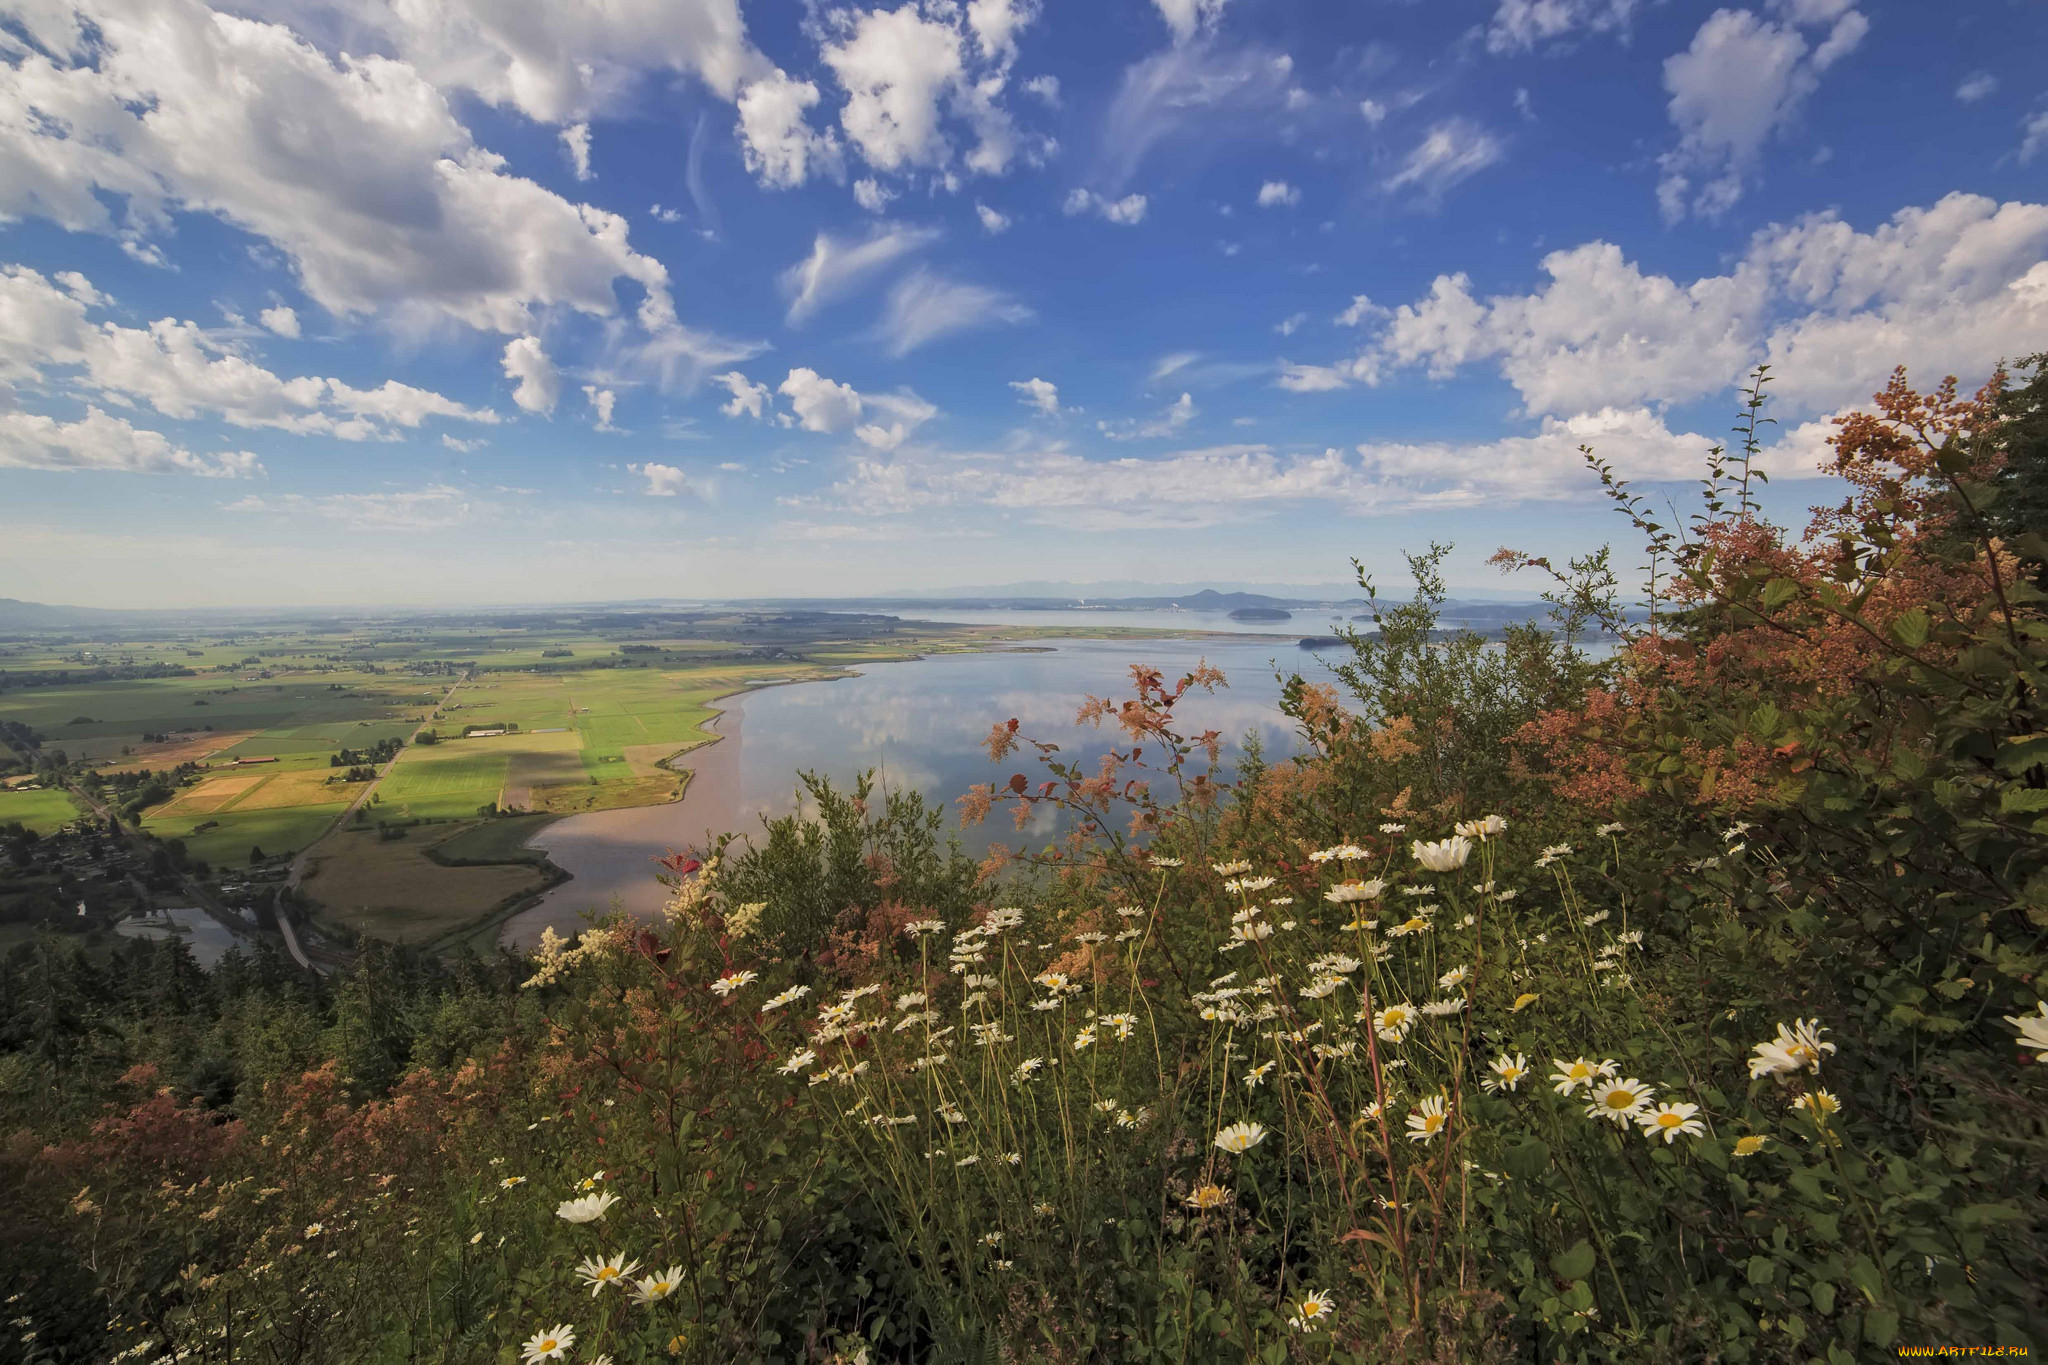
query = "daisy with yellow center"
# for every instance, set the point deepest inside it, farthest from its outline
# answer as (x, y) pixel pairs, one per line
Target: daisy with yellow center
(1819, 1104)
(732, 981)
(1671, 1122)
(552, 1344)
(1798, 1047)
(1523, 1002)
(658, 1286)
(1508, 1073)
(1239, 1138)
(599, 1271)
(1394, 1022)
(1428, 1120)
(1621, 1101)
(1315, 1307)
(1208, 1197)
(1570, 1076)
(1749, 1146)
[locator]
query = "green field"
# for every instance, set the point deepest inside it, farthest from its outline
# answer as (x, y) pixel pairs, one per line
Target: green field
(447, 781)
(492, 842)
(590, 728)
(283, 830)
(42, 811)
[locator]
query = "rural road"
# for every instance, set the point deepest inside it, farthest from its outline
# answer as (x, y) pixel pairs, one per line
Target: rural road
(298, 867)
(298, 870)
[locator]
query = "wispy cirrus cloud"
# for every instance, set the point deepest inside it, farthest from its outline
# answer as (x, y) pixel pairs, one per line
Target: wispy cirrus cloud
(1449, 153)
(837, 266)
(924, 306)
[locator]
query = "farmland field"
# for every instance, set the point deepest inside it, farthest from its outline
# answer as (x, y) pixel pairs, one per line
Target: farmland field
(393, 889)
(253, 734)
(41, 811)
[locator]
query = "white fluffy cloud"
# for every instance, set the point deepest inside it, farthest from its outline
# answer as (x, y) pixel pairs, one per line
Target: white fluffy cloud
(820, 403)
(1519, 25)
(1278, 194)
(1128, 211)
(539, 382)
(602, 402)
(776, 140)
(871, 194)
(923, 307)
(1951, 288)
(569, 59)
(824, 405)
(1038, 393)
(747, 397)
(663, 480)
(837, 266)
(1358, 312)
(1450, 152)
(356, 169)
(895, 66)
(280, 320)
(177, 368)
(1742, 80)
(904, 70)
(993, 222)
(104, 444)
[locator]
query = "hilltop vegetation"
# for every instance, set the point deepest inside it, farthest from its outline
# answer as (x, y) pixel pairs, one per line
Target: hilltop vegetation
(1676, 1006)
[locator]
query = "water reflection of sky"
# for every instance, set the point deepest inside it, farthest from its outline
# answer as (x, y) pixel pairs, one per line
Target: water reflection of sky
(920, 724)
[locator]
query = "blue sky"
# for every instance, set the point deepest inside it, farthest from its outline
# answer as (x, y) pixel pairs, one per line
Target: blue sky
(392, 302)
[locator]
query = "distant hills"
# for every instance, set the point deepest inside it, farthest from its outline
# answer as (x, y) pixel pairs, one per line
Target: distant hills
(21, 617)
(1205, 599)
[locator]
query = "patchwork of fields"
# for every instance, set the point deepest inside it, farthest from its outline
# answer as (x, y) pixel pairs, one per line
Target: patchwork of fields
(272, 720)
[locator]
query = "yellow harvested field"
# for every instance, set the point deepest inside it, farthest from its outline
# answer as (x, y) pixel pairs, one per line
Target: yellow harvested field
(308, 787)
(392, 889)
(213, 794)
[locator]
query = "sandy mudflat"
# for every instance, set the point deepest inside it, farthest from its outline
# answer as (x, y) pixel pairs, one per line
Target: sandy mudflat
(610, 854)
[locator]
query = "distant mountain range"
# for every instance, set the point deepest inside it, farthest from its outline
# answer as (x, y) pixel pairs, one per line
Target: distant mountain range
(17, 616)
(1204, 599)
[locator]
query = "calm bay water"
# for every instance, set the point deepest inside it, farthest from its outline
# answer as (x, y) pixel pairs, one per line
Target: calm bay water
(1303, 620)
(920, 725)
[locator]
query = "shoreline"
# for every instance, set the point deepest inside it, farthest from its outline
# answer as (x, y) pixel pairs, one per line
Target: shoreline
(708, 804)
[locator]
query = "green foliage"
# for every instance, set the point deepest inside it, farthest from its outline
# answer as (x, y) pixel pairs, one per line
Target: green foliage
(817, 874)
